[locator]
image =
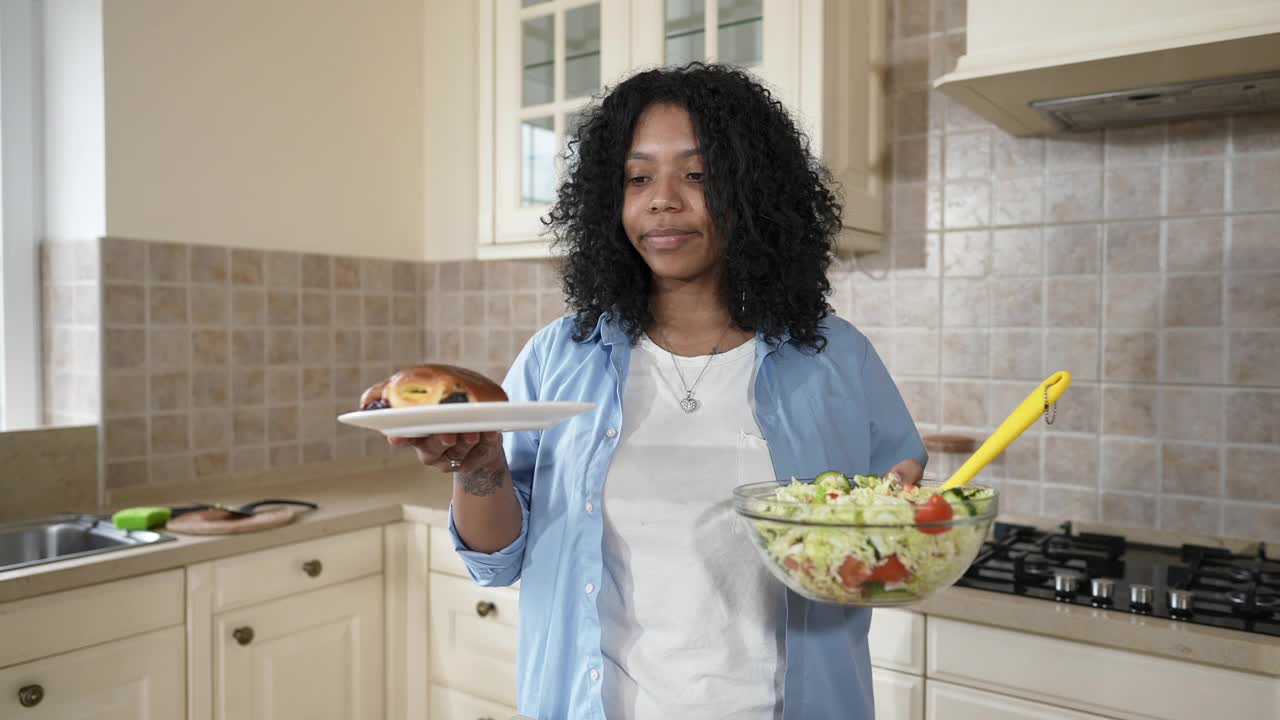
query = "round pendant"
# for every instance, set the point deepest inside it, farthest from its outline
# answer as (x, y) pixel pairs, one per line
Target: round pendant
(688, 404)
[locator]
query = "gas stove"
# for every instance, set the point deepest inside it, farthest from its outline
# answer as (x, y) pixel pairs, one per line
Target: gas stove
(1193, 584)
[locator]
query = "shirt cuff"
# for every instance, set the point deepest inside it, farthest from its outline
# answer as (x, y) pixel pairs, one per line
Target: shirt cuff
(497, 567)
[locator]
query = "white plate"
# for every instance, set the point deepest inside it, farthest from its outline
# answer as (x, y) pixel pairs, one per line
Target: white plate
(464, 417)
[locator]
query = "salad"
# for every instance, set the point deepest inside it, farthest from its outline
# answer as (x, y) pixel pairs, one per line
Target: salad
(869, 540)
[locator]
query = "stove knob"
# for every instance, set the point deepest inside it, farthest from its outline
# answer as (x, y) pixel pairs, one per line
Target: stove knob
(1180, 603)
(1103, 591)
(1064, 584)
(1140, 598)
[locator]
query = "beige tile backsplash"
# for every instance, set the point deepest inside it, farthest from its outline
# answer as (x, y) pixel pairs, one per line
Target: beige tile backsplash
(72, 334)
(226, 362)
(222, 361)
(1144, 260)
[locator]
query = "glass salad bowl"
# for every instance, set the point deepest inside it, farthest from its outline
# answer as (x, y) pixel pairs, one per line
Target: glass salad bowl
(865, 540)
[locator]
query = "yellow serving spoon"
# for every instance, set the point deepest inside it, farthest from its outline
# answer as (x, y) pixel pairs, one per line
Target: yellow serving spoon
(1018, 421)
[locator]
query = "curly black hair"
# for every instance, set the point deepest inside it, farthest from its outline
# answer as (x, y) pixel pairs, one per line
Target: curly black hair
(769, 199)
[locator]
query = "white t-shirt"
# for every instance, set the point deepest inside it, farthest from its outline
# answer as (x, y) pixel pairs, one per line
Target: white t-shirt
(692, 625)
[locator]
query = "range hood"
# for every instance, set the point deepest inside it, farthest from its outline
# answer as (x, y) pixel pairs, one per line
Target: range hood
(1036, 67)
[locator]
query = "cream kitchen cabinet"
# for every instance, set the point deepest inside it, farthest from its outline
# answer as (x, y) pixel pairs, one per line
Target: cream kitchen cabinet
(294, 631)
(449, 704)
(899, 696)
(538, 62)
(953, 702)
(140, 676)
(311, 655)
(977, 670)
(472, 639)
(896, 642)
(103, 651)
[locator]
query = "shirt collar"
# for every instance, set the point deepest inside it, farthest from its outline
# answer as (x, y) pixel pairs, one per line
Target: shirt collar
(609, 332)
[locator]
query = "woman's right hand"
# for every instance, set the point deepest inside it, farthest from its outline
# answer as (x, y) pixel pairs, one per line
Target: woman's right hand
(486, 517)
(457, 452)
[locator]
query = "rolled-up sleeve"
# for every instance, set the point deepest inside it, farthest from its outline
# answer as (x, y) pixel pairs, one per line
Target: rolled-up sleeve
(894, 437)
(503, 566)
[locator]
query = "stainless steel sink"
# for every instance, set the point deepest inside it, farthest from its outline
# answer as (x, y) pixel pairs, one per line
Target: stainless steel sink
(66, 536)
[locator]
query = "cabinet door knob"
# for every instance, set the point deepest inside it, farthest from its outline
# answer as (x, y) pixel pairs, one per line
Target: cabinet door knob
(312, 568)
(484, 608)
(30, 695)
(243, 635)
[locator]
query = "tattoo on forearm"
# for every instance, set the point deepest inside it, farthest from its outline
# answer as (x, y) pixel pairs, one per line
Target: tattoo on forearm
(482, 483)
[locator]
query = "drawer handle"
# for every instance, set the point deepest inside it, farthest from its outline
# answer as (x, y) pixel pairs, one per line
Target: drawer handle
(484, 608)
(312, 568)
(243, 635)
(30, 696)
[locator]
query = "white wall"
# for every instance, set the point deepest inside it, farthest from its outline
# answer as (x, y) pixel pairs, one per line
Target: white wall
(289, 124)
(450, 204)
(74, 144)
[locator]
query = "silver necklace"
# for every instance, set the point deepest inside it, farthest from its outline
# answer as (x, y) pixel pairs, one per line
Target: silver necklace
(689, 404)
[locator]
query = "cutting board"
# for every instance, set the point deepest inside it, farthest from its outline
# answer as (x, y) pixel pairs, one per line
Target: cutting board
(221, 522)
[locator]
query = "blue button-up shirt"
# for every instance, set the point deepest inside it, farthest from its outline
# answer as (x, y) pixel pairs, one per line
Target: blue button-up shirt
(837, 409)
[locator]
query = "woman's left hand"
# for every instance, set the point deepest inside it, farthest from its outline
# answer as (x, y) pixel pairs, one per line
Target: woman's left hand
(909, 472)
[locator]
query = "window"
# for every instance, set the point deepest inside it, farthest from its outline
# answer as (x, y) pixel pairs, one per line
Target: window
(20, 214)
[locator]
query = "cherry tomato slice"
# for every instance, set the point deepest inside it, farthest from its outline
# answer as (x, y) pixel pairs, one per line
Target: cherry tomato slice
(935, 510)
(890, 571)
(853, 572)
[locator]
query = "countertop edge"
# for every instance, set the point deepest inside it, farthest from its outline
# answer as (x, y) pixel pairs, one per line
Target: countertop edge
(1145, 635)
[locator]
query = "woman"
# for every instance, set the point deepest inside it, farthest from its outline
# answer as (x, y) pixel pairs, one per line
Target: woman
(697, 231)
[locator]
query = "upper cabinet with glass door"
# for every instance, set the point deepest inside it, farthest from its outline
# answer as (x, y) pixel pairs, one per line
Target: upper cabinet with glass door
(541, 61)
(547, 59)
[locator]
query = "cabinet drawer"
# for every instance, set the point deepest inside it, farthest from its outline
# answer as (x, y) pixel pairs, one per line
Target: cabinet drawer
(473, 638)
(449, 704)
(444, 558)
(896, 640)
(950, 702)
(280, 571)
(312, 655)
(1093, 679)
(49, 624)
(138, 677)
(899, 696)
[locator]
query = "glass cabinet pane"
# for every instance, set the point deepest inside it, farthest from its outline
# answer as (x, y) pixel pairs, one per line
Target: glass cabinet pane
(582, 51)
(741, 31)
(570, 151)
(537, 161)
(530, 3)
(538, 41)
(685, 31)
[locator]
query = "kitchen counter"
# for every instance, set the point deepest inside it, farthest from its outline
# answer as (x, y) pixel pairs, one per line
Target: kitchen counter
(1108, 628)
(356, 502)
(416, 495)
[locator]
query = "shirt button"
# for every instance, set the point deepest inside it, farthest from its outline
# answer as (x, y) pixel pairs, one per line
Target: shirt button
(590, 588)
(595, 674)
(611, 433)
(590, 507)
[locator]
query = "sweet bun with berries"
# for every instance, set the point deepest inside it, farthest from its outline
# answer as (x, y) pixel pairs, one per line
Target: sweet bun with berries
(432, 385)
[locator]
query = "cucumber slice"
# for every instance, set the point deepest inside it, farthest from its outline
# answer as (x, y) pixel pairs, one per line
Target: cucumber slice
(960, 501)
(876, 589)
(833, 480)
